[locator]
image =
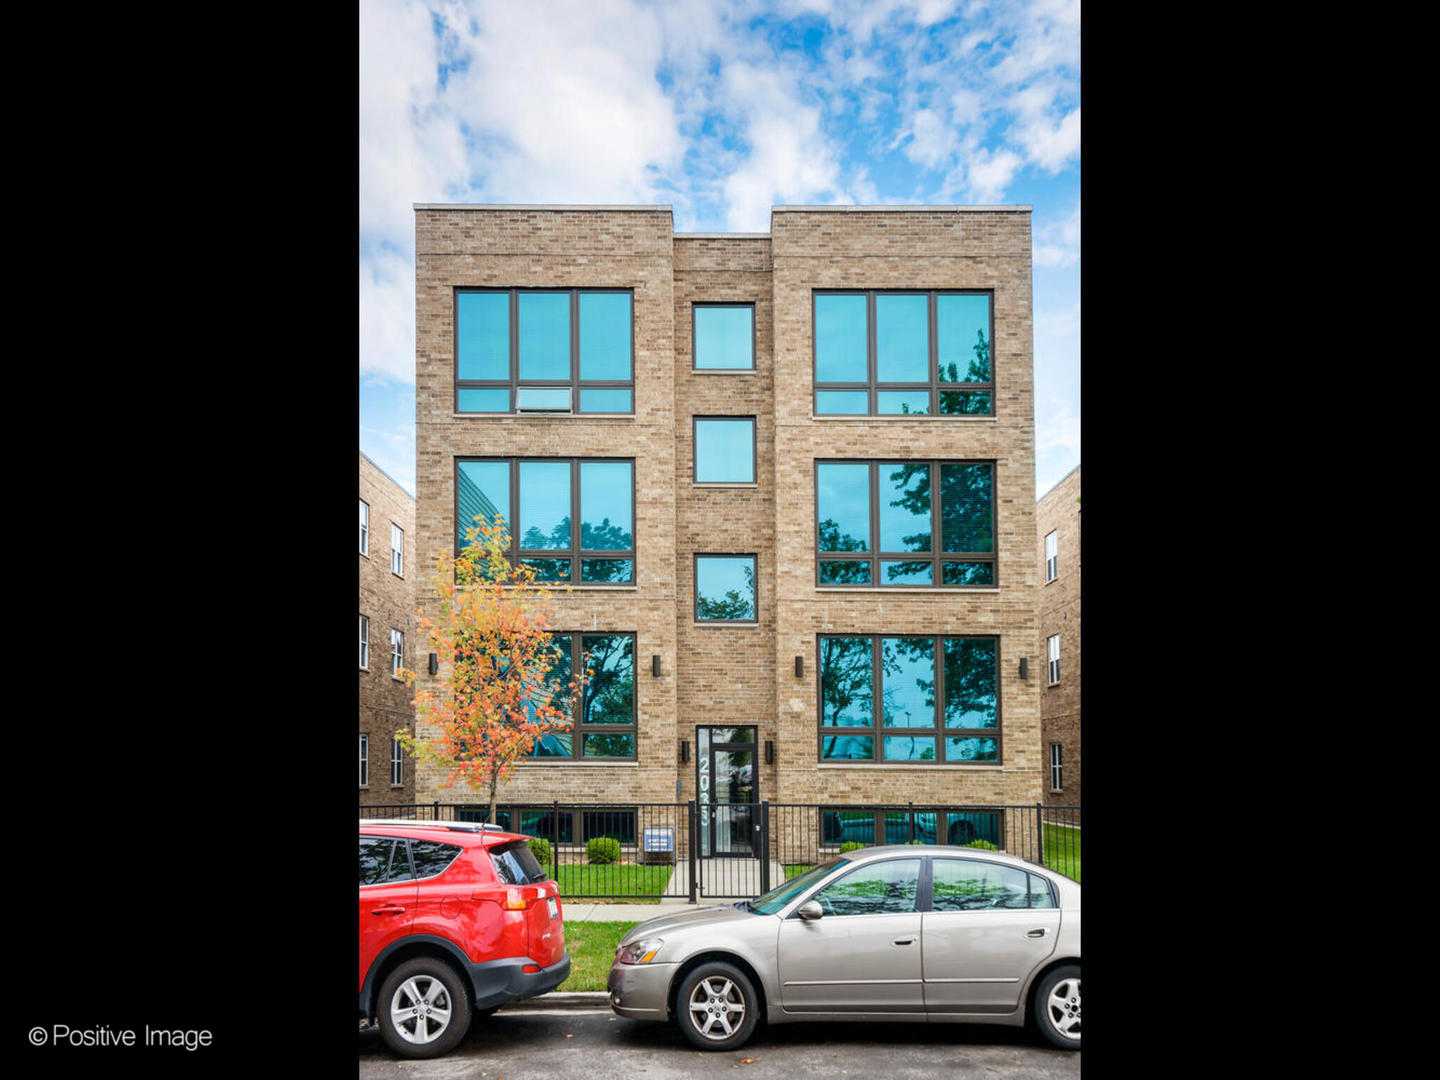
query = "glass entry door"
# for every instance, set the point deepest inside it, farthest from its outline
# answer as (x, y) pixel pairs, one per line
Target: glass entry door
(725, 764)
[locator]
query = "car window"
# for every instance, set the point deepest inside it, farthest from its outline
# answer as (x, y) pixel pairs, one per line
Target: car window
(781, 895)
(516, 864)
(374, 858)
(1042, 893)
(882, 888)
(431, 857)
(967, 885)
(400, 863)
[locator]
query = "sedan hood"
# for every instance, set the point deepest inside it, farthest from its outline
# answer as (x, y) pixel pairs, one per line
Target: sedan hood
(687, 920)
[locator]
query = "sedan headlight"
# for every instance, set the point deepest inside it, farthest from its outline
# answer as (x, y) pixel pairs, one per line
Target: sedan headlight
(639, 952)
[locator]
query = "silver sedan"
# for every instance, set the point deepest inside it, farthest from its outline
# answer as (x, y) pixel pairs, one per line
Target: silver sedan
(938, 934)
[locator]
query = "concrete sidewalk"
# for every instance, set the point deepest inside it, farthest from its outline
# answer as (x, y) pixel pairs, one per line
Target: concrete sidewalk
(577, 911)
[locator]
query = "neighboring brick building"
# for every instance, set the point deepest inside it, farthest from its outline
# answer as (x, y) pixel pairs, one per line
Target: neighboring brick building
(387, 603)
(672, 382)
(1058, 514)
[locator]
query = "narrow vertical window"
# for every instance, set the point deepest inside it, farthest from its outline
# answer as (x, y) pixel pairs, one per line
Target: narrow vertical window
(397, 550)
(1054, 659)
(397, 768)
(1052, 559)
(364, 643)
(364, 527)
(397, 652)
(364, 760)
(1055, 767)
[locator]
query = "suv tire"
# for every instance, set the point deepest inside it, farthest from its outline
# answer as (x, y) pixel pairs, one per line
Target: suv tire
(423, 1008)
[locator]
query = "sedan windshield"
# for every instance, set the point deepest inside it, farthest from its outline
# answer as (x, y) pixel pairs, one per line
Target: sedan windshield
(778, 897)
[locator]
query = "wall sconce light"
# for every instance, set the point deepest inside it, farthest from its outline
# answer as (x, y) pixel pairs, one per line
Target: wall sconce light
(434, 664)
(684, 750)
(769, 752)
(655, 665)
(1024, 668)
(799, 667)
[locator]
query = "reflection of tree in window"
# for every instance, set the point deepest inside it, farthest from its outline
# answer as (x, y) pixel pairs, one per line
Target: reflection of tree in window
(906, 661)
(609, 696)
(845, 677)
(733, 605)
(970, 683)
(959, 404)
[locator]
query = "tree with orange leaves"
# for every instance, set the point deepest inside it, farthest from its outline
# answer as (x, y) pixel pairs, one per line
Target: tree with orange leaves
(496, 695)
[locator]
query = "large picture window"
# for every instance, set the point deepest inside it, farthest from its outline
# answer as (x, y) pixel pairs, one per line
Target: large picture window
(907, 699)
(545, 498)
(876, 523)
(606, 727)
(904, 353)
(544, 351)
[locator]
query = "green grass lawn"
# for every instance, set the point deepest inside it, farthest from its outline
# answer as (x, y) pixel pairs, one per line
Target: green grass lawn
(592, 950)
(796, 871)
(623, 879)
(1062, 850)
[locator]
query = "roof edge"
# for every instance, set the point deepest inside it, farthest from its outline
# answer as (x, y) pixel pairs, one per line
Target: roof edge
(1057, 483)
(656, 208)
(403, 489)
(906, 208)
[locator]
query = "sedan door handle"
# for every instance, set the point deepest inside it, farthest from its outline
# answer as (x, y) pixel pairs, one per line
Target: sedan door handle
(905, 941)
(387, 911)
(1035, 933)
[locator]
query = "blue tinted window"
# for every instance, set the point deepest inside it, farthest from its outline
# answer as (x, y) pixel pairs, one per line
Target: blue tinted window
(907, 673)
(609, 696)
(967, 508)
(968, 749)
(482, 337)
(902, 338)
(544, 505)
(902, 402)
(604, 336)
(907, 573)
(595, 400)
(905, 507)
(847, 676)
(725, 587)
(724, 337)
(616, 571)
(963, 338)
(909, 748)
(606, 505)
(488, 399)
(970, 692)
(841, 335)
(842, 402)
(556, 398)
(483, 488)
(725, 451)
(544, 335)
(843, 499)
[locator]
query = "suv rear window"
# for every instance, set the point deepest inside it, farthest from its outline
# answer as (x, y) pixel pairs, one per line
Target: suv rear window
(516, 864)
(431, 857)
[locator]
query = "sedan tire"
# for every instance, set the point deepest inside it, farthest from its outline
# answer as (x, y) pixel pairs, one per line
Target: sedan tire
(423, 1008)
(717, 1007)
(1057, 1007)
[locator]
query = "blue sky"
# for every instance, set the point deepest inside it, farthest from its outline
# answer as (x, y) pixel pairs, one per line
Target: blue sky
(721, 109)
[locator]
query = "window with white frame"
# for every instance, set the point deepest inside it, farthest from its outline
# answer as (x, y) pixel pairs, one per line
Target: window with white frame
(364, 527)
(1054, 659)
(397, 550)
(1055, 767)
(397, 652)
(1052, 561)
(396, 764)
(364, 643)
(364, 760)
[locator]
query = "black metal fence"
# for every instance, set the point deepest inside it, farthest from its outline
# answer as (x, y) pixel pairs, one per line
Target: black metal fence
(649, 851)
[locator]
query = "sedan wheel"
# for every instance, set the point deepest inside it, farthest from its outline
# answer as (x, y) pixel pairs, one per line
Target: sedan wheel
(423, 1009)
(1058, 1014)
(717, 1007)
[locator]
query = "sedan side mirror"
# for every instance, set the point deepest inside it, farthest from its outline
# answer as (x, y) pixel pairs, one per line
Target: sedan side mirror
(811, 909)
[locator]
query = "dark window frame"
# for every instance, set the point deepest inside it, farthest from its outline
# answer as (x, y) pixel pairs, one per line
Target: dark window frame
(514, 383)
(579, 729)
(575, 553)
(695, 450)
(753, 556)
(872, 385)
(876, 730)
(935, 556)
(695, 342)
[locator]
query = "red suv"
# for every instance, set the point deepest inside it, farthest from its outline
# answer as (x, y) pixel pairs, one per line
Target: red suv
(455, 920)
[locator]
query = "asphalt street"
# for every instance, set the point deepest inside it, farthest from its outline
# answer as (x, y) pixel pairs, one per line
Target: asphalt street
(516, 1044)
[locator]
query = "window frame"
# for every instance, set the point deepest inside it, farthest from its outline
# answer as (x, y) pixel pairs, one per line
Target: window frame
(754, 558)
(575, 553)
(1057, 767)
(695, 337)
(1052, 555)
(397, 554)
(397, 763)
(364, 642)
(514, 383)
(754, 451)
(1052, 655)
(397, 651)
(872, 385)
(877, 729)
(365, 529)
(935, 556)
(364, 759)
(579, 729)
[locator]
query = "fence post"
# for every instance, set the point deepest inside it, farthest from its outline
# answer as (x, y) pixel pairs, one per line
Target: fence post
(1039, 836)
(435, 813)
(912, 820)
(692, 841)
(555, 842)
(765, 846)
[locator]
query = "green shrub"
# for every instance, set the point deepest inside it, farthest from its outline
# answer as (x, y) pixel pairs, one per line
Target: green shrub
(850, 845)
(909, 842)
(984, 845)
(602, 850)
(540, 847)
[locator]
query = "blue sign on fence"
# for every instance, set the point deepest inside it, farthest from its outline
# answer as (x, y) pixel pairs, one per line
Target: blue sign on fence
(660, 838)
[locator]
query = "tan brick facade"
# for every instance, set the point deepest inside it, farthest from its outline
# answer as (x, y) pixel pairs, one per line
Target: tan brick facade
(745, 675)
(1058, 511)
(388, 601)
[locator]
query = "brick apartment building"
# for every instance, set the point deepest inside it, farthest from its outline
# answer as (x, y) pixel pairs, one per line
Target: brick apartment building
(800, 455)
(387, 601)
(1058, 514)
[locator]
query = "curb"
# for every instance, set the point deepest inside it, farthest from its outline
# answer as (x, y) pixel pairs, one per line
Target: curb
(573, 999)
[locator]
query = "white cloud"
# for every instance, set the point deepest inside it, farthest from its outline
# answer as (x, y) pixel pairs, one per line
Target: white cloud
(989, 173)
(387, 315)
(1057, 246)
